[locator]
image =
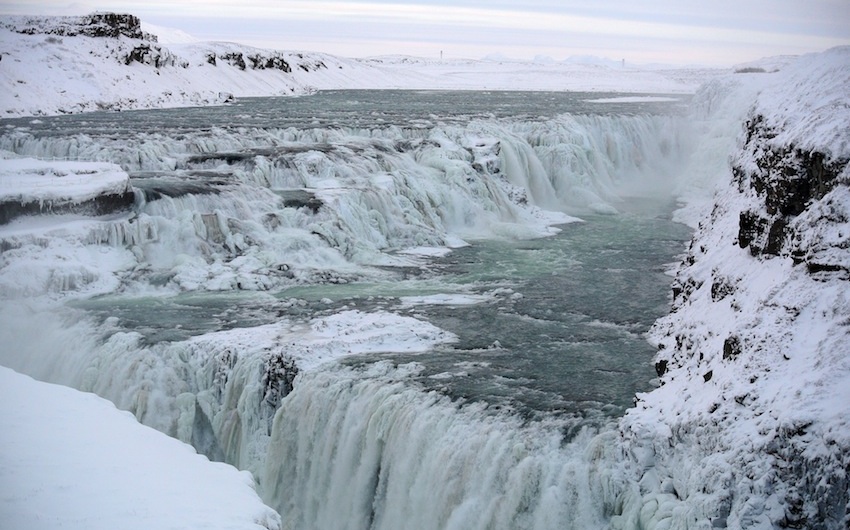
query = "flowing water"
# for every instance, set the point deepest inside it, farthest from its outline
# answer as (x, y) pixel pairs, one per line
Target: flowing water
(297, 209)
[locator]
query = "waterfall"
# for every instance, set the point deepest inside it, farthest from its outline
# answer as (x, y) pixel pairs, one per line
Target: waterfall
(251, 210)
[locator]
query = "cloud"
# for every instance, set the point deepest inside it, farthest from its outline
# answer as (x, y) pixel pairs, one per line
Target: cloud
(702, 31)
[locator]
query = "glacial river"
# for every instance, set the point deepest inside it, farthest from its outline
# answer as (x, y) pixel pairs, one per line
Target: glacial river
(550, 330)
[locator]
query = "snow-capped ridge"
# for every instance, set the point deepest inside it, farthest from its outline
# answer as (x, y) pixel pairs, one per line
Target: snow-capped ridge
(100, 24)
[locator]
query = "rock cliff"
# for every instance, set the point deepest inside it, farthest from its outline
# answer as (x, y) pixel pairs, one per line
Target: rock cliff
(750, 427)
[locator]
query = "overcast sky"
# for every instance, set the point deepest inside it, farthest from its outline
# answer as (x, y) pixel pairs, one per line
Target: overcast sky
(711, 32)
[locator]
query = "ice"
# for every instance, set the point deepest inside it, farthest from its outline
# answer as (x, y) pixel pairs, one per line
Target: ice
(384, 455)
(223, 372)
(443, 299)
(749, 428)
(632, 99)
(72, 460)
(30, 180)
(301, 205)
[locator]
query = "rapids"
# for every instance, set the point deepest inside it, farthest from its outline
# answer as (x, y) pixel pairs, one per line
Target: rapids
(396, 309)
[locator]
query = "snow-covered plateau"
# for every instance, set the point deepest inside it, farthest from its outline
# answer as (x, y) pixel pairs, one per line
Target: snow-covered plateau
(303, 288)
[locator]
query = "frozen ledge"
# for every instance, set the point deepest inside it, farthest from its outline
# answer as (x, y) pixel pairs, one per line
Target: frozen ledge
(29, 186)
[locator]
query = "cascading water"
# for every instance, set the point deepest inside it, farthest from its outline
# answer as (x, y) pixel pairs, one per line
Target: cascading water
(278, 234)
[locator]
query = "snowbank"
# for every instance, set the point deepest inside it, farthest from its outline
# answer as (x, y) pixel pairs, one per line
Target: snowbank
(72, 460)
(750, 428)
(29, 180)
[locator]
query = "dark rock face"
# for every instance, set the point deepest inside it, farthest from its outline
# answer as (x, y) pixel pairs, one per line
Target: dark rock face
(301, 199)
(278, 377)
(817, 500)
(786, 180)
(731, 348)
(233, 59)
(152, 55)
(257, 61)
(108, 25)
(661, 367)
(273, 62)
(100, 205)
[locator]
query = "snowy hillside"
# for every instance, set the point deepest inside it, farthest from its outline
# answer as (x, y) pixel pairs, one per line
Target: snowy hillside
(751, 426)
(57, 65)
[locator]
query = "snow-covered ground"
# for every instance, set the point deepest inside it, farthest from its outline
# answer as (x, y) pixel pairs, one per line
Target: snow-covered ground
(69, 459)
(51, 73)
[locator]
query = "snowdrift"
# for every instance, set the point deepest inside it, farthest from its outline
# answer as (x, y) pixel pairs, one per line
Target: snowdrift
(72, 460)
(35, 187)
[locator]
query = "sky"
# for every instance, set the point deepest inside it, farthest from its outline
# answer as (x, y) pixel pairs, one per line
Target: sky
(677, 32)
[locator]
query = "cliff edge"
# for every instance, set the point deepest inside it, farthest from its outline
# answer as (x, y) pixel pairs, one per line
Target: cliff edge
(751, 426)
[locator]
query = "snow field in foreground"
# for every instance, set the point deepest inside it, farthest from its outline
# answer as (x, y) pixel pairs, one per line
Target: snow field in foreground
(72, 460)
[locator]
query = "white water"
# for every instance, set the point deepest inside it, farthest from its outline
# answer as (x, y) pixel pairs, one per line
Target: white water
(358, 450)
(349, 447)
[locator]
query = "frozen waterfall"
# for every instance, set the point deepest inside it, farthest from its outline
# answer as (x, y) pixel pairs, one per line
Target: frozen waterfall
(180, 310)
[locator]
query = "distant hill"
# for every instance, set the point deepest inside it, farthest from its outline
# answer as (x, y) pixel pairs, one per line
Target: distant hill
(109, 61)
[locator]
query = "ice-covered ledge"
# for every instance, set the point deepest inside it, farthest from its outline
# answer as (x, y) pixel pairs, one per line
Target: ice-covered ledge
(29, 186)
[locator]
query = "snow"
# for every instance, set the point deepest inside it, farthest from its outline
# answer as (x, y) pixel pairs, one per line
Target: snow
(51, 74)
(165, 35)
(72, 460)
(327, 339)
(31, 180)
(811, 115)
(758, 346)
(444, 299)
(632, 99)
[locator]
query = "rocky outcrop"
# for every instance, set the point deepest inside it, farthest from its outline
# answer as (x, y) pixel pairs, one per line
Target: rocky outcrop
(101, 205)
(30, 186)
(155, 56)
(785, 181)
(254, 61)
(107, 25)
